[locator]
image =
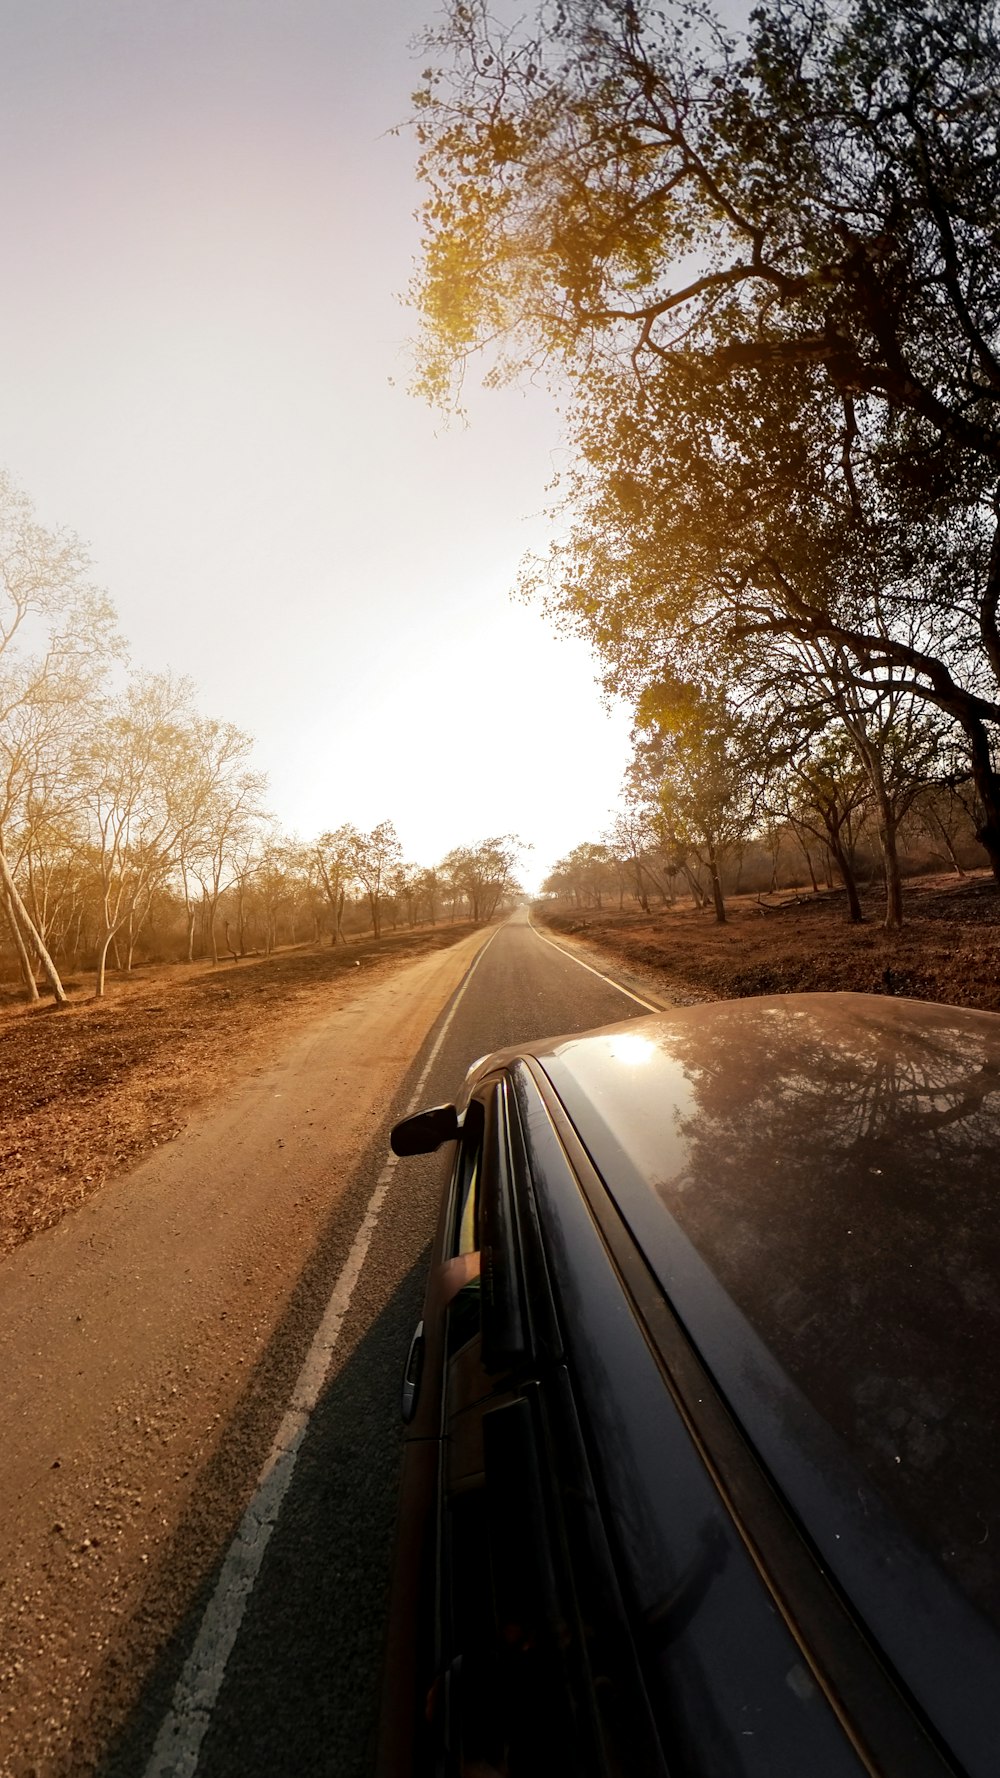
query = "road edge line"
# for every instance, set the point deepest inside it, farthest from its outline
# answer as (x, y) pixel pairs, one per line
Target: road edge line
(177, 1748)
(648, 1004)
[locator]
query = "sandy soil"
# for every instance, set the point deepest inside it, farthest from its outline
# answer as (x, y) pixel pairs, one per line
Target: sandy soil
(948, 950)
(88, 1089)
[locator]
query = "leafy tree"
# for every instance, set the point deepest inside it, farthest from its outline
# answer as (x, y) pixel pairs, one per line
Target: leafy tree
(334, 855)
(631, 839)
(428, 888)
(702, 761)
(771, 272)
(943, 811)
(485, 874)
(373, 858)
(822, 789)
(584, 874)
(898, 746)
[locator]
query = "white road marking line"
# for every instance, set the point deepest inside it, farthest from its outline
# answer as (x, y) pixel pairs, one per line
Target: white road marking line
(648, 1004)
(177, 1748)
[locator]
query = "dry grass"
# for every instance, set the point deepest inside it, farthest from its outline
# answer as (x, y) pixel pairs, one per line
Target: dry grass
(948, 950)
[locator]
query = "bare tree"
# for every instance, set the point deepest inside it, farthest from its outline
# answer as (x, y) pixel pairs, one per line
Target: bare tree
(56, 637)
(217, 794)
(132, 765)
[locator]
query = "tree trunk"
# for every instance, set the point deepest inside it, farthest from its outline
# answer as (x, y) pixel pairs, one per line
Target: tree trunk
(77, 942)
(102, 958)
(717, 897)
(29, 931)
(809, 862)
(211, 908)
(893, 879)
(987, 783)
(698, 895)
(643, 898)
(27, 972)
(946, 837)
(843, 864)
(887, 825)
(657, 885)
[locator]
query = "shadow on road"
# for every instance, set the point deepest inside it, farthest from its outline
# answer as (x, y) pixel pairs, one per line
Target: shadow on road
(301, 1690)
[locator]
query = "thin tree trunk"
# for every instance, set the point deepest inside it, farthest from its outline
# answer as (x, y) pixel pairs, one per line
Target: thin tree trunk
(713, 870)
(850, 883)
(987, 783)
(102, 958)
(808, 857)
(77, 943)
(640, 885)
(946, 837)
(27, 973)
(658, 886)
(886, 820)
(30, 932)
(698, 895)
(211, 911)
(893, 879)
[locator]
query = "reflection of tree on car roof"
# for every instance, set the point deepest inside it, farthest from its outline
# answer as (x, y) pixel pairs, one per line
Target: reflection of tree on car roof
(838, 1176)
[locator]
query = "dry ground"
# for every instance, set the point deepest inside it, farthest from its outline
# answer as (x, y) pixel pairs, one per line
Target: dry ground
(949, 948)
(87, 1089)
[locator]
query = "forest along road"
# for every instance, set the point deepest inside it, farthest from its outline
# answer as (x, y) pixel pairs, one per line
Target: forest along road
(154, 1343)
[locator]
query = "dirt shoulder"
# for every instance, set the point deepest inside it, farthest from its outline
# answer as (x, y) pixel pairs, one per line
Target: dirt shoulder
(948, 950)
(88, 1089)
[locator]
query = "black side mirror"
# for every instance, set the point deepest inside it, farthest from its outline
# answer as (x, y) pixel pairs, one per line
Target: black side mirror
(425, 1131)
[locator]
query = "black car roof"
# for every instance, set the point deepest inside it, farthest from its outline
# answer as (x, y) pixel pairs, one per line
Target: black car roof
(813, 1179)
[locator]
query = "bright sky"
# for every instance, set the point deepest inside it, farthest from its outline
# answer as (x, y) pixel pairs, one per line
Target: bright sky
(206, 227)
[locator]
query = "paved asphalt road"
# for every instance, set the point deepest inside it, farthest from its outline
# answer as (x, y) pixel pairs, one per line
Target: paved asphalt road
(299, 1691)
